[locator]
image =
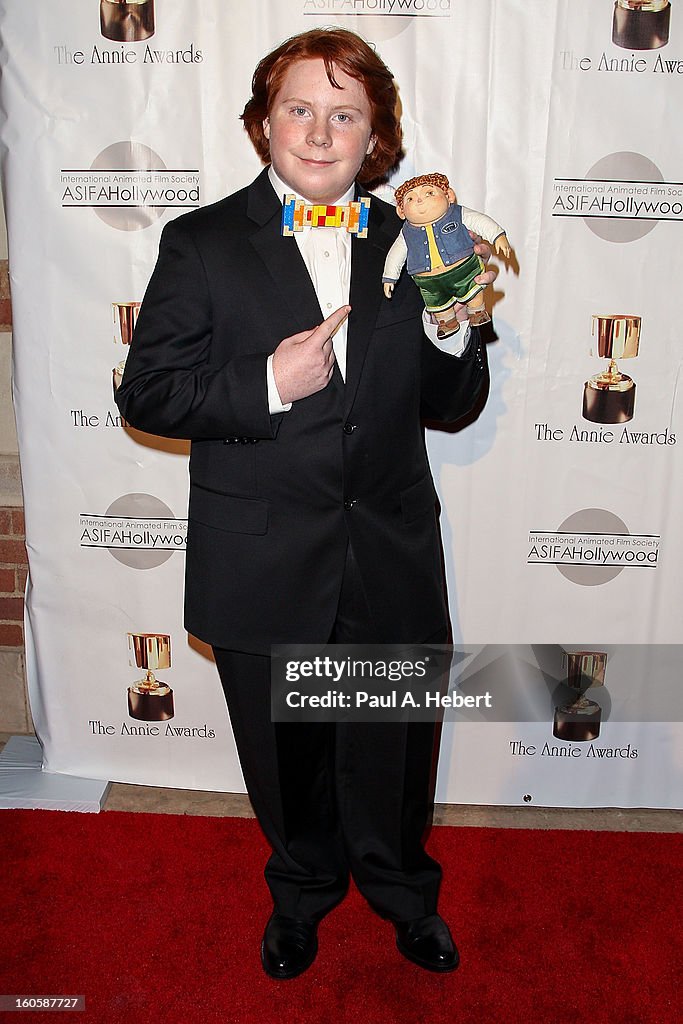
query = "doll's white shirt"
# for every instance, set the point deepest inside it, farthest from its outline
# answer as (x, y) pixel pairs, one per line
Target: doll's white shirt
(480, 223)
(327, 255)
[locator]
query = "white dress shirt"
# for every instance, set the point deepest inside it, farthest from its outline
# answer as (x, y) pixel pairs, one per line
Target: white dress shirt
(327, 255)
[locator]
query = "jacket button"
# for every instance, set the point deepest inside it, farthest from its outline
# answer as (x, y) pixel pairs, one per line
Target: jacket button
(349, 428)
(349, 503)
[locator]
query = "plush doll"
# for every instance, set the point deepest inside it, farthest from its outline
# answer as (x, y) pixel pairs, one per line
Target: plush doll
(436, 243)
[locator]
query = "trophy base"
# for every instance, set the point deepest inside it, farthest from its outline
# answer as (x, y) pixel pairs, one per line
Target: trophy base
(147, 706)
(577, 725)
(641, 30)
(127, 22)
(603, 405)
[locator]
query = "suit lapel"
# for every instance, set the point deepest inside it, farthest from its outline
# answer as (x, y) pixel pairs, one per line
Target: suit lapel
(281, 255)
(367, 264)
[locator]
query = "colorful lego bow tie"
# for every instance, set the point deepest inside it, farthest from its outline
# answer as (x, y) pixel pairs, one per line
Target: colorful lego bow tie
(297, 215)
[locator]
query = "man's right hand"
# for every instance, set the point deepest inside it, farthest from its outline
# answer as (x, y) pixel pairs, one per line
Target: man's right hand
(303, 363)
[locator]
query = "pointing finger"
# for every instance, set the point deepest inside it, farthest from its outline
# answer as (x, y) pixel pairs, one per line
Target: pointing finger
(329, 327)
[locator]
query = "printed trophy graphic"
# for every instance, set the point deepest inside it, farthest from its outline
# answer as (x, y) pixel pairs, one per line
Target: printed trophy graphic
(641, 24)
(125, 315)
(150, 699)
(579, 719)
(127, 21)
(610, 396)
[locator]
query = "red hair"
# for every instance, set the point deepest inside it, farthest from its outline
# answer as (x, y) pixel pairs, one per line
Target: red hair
(346, 50)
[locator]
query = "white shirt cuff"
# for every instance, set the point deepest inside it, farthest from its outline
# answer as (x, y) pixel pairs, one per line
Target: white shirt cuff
(454, 344)
(274, 401)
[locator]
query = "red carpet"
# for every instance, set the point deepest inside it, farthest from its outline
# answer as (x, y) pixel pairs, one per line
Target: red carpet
(158, 918)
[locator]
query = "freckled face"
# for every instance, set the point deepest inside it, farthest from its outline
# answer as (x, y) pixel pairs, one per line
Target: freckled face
(319, 135)
(425, 204)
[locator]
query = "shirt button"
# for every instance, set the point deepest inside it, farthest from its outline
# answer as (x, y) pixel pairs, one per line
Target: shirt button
(329, 305)
(349, 503)
(349, 428)
(326, 253)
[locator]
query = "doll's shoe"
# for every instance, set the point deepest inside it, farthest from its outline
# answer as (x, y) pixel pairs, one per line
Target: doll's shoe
(477, 317)
(448, 327)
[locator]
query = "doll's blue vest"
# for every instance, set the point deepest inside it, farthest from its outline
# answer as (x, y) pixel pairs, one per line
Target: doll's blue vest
(452, 240)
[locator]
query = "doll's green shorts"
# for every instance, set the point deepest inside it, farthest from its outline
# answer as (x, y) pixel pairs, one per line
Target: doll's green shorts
(442, 290)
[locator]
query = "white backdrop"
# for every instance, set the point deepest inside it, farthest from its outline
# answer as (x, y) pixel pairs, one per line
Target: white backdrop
(539, 119)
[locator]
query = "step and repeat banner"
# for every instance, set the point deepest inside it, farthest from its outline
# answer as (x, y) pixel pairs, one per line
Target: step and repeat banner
(558, 119)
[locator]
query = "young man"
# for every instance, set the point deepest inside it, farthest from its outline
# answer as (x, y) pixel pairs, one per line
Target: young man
(312, 508)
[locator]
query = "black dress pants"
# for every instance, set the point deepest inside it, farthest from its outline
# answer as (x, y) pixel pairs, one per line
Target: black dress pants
(336, 798)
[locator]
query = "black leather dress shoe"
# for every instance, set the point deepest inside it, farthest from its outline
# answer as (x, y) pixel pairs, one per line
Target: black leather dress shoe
(289, 946)
(428, 943)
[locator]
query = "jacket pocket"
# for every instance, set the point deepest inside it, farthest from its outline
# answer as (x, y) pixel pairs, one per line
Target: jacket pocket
(418, 499)
(229, 512)
(404, 307)
(398, 318)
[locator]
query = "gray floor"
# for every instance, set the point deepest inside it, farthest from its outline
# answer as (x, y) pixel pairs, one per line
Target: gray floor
(220, 805)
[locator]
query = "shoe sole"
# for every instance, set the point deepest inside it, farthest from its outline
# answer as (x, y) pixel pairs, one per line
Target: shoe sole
(288, 975)
(436, 968)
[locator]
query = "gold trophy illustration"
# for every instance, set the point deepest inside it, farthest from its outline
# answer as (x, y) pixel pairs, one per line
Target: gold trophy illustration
(641, 24)
(127, 21)
(125, 315)
(579, 719)
(150, 699)
(610, 396)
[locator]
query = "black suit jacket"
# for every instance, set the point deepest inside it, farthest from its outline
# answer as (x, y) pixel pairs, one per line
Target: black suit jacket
(274, 500)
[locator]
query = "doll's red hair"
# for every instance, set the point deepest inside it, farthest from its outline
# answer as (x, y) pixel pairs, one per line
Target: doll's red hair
(434, 178)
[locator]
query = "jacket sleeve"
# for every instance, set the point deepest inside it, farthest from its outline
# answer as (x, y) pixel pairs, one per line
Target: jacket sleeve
(173, 384)
(451, 385)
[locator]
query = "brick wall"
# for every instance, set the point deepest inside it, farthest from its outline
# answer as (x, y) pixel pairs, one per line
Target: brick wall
(12, 549)
(5, 303)
(12, 577)
(15, 715)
